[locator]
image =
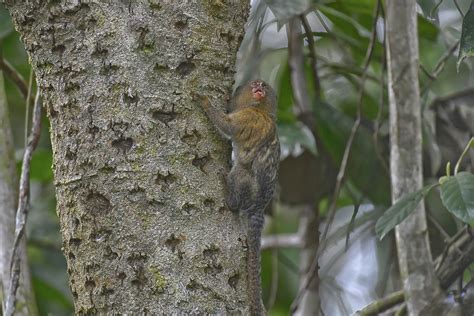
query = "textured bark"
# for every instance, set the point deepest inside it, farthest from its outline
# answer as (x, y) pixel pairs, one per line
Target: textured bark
(414, 255)
(135, 161)
(25, 303)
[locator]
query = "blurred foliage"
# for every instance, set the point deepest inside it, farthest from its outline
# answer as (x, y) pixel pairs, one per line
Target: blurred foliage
(341, 30)
(400, 211)
(355, 270)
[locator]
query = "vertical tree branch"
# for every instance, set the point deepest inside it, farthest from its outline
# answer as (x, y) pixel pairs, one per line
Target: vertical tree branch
(312, 55)
(296, 62)
(381, 104)
(309, 220)
(8, 204)
(414, 255)
(22, 211)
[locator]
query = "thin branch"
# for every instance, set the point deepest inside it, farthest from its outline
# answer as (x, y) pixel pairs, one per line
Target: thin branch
(435, 8)
(312, 56)
(341, 174)
(361, 220)
(402, 311)
(426, 72)
(22, 210)
(381, 104)
(439, 67)
(458, 293)
(323, 23)
(450, 243)
(383, 304)
(442, 61)
(281, 241)
(329, 31)
(341, 68)
(294, 240)
(454, 262)
(287, 262)
(335, 289)
(438, 226)
(350, 228)
(459, 8)
(27, 108)
(468, 147)
(14, 76)
(296, 62)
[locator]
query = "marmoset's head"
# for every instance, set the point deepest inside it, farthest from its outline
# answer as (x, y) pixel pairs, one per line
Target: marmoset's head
(255, 93)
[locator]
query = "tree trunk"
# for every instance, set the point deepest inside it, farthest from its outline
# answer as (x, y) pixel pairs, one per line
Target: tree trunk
(26, 304)
(135, 161)
(414, 255)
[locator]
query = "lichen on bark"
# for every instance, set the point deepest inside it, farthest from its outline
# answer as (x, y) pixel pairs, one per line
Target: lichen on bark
(135, 161)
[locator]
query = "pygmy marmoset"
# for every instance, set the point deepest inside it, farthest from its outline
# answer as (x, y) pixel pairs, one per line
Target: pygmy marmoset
(251, 125)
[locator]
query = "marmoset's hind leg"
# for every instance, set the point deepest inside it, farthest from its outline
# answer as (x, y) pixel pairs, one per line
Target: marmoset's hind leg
(239, 190)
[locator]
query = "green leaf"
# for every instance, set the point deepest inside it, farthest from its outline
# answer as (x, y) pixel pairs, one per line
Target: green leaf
(400, 210)
(364, 167)
(6, 26)
(344, 22)
(352, 25)
(457, 194)
(359, 11)
(467, 36)
(426, 29)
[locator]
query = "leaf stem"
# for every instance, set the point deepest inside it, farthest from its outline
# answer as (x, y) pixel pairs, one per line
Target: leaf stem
(466, 149)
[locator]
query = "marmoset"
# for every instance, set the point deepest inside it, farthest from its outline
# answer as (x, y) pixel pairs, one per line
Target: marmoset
(250, 184)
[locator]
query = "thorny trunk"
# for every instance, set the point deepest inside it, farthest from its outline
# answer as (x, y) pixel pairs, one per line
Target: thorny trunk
(414, 255)
(135, 161)
(25, 302)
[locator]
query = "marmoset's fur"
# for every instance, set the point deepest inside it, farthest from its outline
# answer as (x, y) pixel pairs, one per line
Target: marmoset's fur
(251, 125)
